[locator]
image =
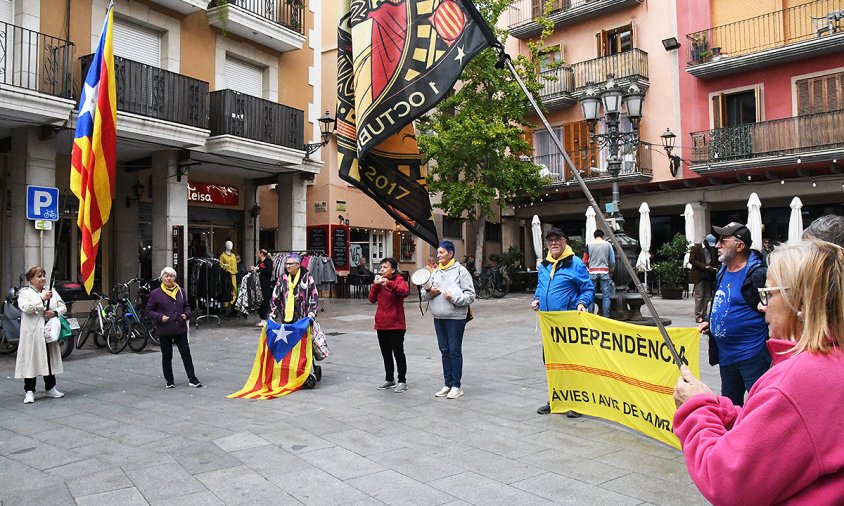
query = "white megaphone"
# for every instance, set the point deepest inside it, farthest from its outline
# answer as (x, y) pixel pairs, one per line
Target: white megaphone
(422, 277)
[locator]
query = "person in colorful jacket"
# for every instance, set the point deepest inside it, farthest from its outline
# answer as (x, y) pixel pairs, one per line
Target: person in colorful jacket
(295, 295)
(452, 291)
(784, 445)
(563, 284)
(388, 290)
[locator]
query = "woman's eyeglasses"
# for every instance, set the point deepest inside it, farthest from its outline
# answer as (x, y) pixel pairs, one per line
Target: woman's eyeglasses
(765, 293)
(289, 264)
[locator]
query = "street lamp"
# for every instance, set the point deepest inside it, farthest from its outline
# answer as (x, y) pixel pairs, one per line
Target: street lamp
(612, 97)
(326, 127)
(668, 140)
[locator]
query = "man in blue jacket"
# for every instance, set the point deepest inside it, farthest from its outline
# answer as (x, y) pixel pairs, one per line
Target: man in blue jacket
(563, 284)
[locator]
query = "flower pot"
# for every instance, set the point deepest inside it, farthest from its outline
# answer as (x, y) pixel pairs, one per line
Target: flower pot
(671, 292)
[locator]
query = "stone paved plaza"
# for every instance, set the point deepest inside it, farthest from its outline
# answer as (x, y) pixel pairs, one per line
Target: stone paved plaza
(119, 437)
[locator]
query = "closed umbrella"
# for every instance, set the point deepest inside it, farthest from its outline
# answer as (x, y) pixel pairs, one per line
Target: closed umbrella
(590, 225)
(689, 214)
(795, 222)
(536, 231)
(754, 221)
(643, 263)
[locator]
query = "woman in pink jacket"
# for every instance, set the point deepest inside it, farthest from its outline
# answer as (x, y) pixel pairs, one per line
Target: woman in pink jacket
(786, 444)
(389, 290)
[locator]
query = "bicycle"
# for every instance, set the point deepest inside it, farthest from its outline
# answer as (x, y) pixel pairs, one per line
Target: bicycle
(135, 331)
(141, 298)
(483, 284)
(101, 322)
(500, 280)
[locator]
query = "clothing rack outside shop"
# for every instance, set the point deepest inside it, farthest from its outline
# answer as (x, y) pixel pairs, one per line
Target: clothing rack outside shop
(207, 299)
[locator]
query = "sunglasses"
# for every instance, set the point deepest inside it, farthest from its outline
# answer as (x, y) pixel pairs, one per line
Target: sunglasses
(765, 293)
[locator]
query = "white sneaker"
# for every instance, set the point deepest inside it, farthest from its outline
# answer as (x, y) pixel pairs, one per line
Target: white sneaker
(54, 393)
(454, 393)
(442, 392)
(29, 398)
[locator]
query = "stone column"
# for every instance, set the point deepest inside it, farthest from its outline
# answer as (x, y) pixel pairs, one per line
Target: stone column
(292, 212)
(169, 208)
(32, 161)
(127, 234)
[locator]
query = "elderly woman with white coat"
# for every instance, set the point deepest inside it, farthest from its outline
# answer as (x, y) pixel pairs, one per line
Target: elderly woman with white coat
(35, 356)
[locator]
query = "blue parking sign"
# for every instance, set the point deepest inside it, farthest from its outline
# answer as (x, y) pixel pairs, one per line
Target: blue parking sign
(42, 203)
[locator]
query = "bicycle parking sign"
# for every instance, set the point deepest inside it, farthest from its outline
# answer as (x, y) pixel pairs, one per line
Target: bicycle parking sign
(42, 203)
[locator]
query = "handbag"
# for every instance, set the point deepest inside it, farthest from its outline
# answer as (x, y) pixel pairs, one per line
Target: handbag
(65, 333)
(52, 329)
(321, 350)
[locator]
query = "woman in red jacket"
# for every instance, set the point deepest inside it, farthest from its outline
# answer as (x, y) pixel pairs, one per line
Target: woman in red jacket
(389, 290)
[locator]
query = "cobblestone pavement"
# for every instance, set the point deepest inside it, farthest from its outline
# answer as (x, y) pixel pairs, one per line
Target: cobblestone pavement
(120, 437)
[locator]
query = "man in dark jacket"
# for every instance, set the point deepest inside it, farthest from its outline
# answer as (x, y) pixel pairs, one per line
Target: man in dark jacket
(389, 290)
(704, 260)
(737, 328)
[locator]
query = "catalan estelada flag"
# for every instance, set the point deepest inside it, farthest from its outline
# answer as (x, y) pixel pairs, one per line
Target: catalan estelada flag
(92, 162)
(282, 363)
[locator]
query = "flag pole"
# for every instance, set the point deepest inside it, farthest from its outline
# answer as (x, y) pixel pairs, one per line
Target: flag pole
(504, 61)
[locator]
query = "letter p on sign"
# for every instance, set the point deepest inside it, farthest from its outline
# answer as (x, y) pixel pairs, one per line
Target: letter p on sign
(42, 203)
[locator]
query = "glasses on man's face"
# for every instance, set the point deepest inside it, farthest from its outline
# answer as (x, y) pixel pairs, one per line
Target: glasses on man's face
(555, 241)
(765, 293)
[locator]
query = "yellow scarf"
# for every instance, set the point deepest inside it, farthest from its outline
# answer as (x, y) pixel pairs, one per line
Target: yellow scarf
(446, 266)
(555, 261)
(288, 304)
(172, 292)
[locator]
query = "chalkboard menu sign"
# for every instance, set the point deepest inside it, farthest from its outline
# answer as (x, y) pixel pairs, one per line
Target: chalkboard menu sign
(318, 239)
(340, 246)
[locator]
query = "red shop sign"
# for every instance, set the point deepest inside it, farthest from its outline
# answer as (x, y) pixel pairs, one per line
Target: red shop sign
(213, 194)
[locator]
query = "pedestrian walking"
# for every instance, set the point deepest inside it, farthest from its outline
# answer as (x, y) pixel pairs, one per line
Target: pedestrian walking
(35, 356)
(704, 260)
(599, 257)
(451, 293)
(389, 291)
(168, 307)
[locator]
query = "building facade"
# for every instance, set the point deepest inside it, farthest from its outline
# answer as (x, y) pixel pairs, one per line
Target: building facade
(214, 99)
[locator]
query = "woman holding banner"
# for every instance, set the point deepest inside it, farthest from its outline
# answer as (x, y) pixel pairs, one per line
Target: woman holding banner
(785, 444)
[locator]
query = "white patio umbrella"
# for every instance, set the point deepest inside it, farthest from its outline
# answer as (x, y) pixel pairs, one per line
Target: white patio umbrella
(795, 221)
(536, 231)
(643, 263)
(689, 214)
(590, 225)
(754, 221)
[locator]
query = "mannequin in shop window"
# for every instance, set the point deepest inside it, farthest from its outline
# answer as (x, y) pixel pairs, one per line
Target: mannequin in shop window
(228, 262)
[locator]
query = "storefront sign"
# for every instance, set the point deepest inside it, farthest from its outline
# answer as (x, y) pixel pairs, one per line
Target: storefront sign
(340, 246)
(213, 194)
(341, 205)
(318, 239)
(321, 207)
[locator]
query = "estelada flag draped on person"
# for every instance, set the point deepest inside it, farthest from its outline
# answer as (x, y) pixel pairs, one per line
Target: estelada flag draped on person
(282, 363)
(396, 60)
(92, 162)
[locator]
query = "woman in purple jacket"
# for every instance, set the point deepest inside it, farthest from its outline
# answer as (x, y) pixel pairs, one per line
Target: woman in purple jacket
(169, 307)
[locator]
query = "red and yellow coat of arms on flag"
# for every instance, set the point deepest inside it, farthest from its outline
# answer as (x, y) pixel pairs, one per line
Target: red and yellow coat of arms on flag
(397, 59)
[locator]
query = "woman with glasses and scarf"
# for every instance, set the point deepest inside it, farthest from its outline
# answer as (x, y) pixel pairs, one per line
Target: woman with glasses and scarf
(295, 295)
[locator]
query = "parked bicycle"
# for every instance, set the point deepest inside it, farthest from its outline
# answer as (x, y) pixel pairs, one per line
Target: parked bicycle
(10, 323)
(102, 321)
(141, 298)
(136, 334)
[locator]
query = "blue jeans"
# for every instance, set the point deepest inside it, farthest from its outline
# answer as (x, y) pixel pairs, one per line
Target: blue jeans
(450, 340)
(605, 283)
(738, 378)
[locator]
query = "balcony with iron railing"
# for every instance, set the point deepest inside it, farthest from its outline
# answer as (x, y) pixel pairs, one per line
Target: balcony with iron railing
(240, 115)
(809, 138)
(278, 24)
(557, 87)
(35, 61)
(522, 14)
(157, 93)
(624, 66)
(635, 166)
(803, 31)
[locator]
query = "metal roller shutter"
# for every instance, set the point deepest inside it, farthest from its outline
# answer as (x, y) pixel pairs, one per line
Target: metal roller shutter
(7, 11)
(137, 43)
(244, 77)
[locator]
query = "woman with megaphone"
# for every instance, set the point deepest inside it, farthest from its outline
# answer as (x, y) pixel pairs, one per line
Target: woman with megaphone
(449, 293)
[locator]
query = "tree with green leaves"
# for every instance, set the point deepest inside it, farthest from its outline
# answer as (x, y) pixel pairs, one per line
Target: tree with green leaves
(476, 139)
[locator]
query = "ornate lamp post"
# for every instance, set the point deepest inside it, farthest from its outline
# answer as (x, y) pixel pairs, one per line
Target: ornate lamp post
(326, 127)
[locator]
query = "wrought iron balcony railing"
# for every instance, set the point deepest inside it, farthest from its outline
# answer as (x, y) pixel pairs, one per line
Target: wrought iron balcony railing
(768, 31)
(633, 63)
(556, 82)
(241, 115)
(287, 13)
(36, 61)
(157, 93)
(522, 14)
(634, 163)
(800, 134)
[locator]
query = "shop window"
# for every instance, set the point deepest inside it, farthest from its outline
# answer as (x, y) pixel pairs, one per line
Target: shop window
(615, 41)
(407, 248)
(492, 232)
(452, 227)
(820, 94)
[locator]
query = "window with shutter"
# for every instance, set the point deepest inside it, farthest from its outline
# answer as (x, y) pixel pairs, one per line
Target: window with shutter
(820, 94)
(7, 11)
(583, 154)
(137, 43)
(244, 77)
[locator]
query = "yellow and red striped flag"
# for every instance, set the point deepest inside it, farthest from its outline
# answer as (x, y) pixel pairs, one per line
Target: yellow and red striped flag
(93, 157)
(282, 363)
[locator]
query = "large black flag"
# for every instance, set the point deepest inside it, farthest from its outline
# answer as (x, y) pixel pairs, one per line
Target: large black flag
(396, 60)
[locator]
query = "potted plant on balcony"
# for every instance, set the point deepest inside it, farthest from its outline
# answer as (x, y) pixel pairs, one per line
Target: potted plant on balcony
(672, 277)
(700, 48)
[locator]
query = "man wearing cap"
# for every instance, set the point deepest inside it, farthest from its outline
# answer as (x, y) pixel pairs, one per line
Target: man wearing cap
(563, 284)
(736, 327)
(704, 260)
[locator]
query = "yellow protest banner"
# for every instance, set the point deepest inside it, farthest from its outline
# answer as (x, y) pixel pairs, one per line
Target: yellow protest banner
(615, 370)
